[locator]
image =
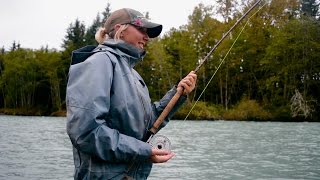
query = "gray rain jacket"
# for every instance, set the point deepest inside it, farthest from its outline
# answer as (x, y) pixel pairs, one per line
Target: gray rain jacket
(109, 111)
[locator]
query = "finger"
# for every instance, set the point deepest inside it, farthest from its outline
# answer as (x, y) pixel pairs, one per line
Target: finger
(193, 79)
(165, 158)
(193, 75)
(186, 86)
(159, 152)
(189, 82)
(162, 159)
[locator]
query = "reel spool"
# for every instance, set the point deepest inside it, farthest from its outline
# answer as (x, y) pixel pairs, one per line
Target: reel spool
(160, 142)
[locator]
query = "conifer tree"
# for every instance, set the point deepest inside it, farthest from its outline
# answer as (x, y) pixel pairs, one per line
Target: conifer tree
(75, 37)
(310, 8)
(106, 13)
(91, 31)
(97, 22)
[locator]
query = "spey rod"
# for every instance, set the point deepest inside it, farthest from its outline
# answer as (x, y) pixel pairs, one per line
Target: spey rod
(153, 130)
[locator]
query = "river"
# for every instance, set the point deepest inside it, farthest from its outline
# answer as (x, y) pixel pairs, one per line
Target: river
(38, 148)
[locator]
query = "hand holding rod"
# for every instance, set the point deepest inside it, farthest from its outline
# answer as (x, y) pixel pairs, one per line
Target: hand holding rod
(180, 90)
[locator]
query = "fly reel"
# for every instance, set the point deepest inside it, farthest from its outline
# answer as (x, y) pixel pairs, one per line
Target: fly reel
(160, 142)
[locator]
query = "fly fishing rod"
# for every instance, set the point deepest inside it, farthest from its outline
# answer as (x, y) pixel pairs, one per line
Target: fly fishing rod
(153, 130)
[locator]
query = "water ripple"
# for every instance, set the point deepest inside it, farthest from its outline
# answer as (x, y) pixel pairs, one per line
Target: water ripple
(38, 148)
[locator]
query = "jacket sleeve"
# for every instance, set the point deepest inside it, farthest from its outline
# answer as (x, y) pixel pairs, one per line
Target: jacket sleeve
(161, 104)
(88, 104)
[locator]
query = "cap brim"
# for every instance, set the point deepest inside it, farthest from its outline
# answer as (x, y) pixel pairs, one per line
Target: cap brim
(153, 29)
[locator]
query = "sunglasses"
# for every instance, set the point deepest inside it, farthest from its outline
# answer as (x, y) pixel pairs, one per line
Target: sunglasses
(139, 28)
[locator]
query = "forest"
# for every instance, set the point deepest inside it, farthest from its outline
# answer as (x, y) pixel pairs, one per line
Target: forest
(267, 69)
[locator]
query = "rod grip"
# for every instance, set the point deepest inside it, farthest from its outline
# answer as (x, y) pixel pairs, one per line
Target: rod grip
(167, 110)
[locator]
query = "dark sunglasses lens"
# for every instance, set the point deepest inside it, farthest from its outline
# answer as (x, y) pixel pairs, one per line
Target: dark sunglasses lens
(139, 28)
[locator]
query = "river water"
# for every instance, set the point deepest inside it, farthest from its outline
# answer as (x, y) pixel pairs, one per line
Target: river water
(38, 148)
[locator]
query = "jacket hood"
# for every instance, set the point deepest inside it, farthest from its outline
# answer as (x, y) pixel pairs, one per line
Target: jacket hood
(117, 47)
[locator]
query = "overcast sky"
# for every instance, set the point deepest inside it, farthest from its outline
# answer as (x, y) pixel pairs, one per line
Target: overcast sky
(36, 23)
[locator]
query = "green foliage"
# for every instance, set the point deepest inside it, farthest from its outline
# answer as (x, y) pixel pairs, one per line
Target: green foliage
(247, 110)
(51, 76)
(91, 31)
(19, 79)
(199, 111)
(155, 71)
(28, 79)
(290, 60)
(277, 52)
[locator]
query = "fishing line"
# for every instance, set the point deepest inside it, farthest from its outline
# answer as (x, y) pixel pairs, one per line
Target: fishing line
(222, 61)
(162, 143)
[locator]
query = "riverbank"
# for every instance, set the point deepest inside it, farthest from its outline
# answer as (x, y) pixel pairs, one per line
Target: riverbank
(202, 114)
(32, 112)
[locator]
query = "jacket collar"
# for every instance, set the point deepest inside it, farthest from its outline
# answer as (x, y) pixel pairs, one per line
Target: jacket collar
(121, 48)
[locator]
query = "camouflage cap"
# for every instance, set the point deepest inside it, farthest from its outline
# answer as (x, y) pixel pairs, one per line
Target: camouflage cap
(131, 16)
